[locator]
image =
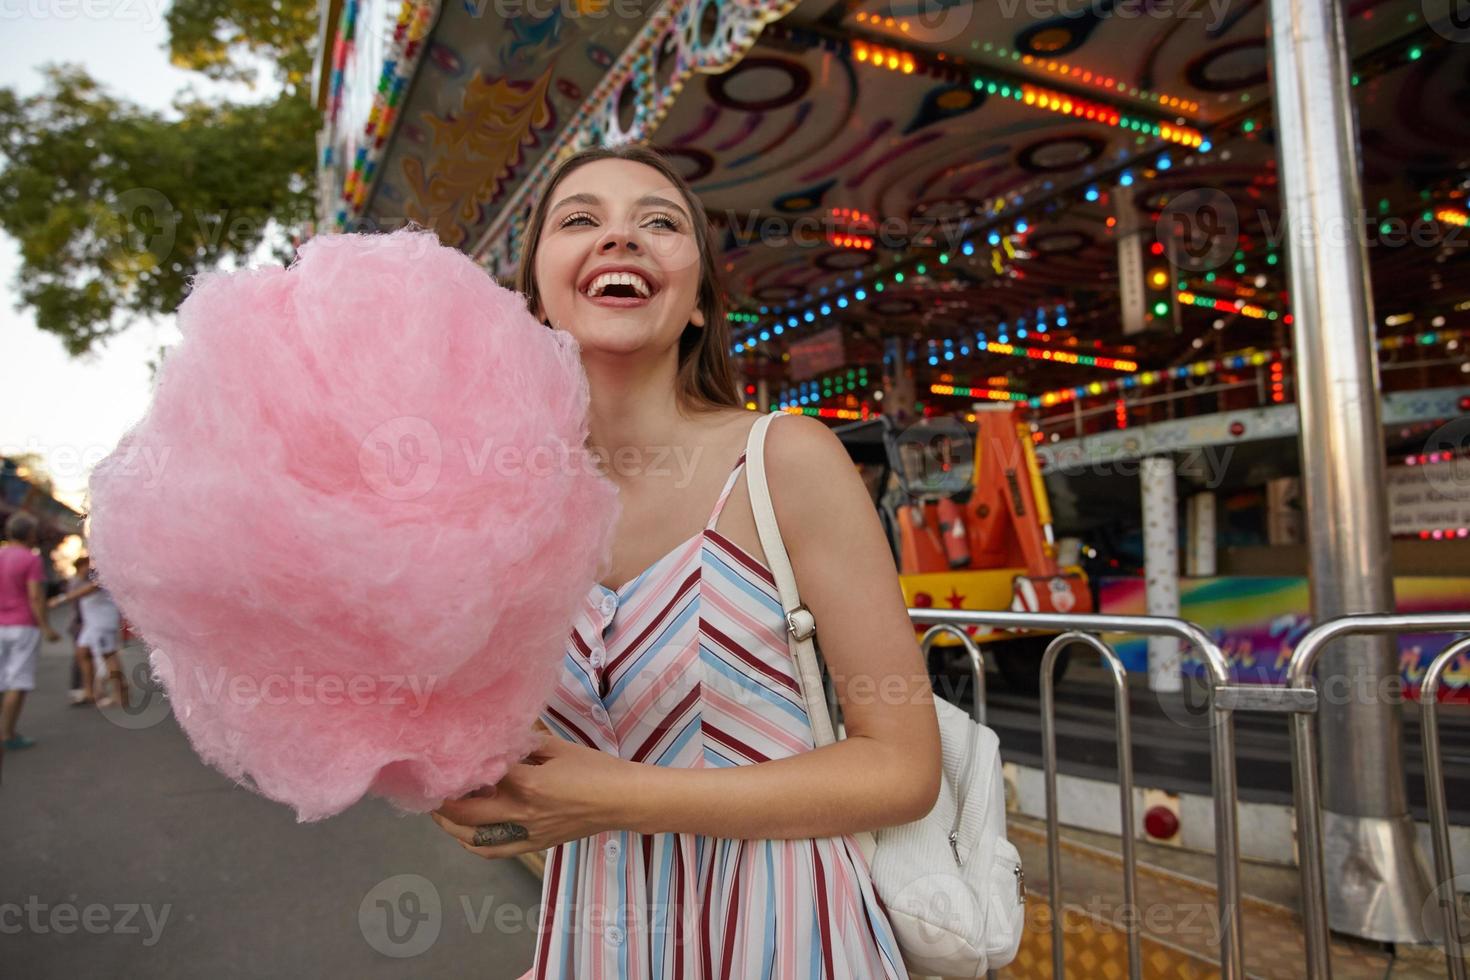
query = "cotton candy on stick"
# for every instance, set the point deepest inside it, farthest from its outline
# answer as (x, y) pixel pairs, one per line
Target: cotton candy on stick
(356, 522)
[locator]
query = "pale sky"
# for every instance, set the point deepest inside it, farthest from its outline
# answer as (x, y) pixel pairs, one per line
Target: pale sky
(73, 410)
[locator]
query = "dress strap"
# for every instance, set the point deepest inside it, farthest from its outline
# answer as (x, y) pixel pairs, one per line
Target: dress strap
(725, 493)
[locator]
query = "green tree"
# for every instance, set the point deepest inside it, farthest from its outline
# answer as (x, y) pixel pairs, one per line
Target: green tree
(116, 207)
(221, 38)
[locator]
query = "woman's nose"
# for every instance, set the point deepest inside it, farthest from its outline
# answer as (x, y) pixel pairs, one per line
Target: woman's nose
(616, 240)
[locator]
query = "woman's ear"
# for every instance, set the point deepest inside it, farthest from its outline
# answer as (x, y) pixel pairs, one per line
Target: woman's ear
(697, 317)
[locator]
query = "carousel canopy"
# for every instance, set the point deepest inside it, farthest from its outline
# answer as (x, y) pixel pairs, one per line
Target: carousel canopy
(1054, 203)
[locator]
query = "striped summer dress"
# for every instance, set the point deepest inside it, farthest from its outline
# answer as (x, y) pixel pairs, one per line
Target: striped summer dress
(687, 665)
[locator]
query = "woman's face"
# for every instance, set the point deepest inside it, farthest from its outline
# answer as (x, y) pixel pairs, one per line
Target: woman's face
(618, 264)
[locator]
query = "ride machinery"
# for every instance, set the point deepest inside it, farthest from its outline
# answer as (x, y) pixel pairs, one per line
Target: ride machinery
(970, 525)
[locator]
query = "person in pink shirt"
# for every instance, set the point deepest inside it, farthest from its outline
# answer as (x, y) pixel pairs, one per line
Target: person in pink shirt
(22, 622)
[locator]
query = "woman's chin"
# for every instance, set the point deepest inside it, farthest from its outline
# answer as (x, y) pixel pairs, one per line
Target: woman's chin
(614, 330)
(613, 339)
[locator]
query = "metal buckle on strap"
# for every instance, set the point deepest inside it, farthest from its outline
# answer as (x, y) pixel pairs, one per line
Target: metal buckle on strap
(800, 623)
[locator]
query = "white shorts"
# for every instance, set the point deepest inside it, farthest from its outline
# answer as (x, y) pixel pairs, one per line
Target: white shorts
(100, 639)
(19, 648)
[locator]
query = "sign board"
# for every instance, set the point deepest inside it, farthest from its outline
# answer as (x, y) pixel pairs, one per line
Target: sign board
(1429, 496)
(817, 353)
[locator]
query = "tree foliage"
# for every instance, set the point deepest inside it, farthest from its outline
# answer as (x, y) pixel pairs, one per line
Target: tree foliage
(221, 38)
(116, 207)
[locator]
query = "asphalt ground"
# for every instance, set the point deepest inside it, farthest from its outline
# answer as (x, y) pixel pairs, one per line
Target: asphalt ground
(123, 855)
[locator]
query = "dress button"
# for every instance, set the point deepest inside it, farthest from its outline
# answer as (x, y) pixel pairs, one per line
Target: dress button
(614, 935)
(609, 605)
(596, 658)
(600, 713)
(612, 849)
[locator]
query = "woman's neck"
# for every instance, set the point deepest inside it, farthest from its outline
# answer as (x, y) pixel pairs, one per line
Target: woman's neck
(632, 406)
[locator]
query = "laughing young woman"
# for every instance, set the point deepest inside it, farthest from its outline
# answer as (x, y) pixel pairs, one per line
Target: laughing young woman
(694, 831)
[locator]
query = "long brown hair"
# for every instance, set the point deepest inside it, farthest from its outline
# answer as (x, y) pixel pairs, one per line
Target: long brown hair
(706, 377)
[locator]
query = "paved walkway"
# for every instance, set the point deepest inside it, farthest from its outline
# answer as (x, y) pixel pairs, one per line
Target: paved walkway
(123, 855)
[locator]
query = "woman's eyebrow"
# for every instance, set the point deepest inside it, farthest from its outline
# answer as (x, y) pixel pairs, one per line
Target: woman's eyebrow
(581, 198)
(653, 199)
(647, 200)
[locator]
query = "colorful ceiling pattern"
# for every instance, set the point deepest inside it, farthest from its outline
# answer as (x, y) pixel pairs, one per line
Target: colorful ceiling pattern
(959, 165)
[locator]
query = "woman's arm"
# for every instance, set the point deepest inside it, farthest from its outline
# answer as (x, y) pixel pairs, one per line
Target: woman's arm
(886, 771)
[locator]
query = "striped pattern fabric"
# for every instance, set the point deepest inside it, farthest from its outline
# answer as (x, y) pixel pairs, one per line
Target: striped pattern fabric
(687, 665)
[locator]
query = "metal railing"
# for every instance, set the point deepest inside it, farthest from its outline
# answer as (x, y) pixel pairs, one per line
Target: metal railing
(1076, 418)
(1299, 698)
(972, 653)
(1077, 629)
(1306, 782)
(1125, 794)
(1439, 815)
(977, 669)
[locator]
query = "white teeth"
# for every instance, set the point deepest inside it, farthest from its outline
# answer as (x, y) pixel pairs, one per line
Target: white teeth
(600, 284)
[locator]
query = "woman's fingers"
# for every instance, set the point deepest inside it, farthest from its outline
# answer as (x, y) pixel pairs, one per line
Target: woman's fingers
(484, 852)
(461, 832)
(473, 810)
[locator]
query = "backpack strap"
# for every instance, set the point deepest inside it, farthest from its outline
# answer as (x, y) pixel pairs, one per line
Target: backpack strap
(801, 627)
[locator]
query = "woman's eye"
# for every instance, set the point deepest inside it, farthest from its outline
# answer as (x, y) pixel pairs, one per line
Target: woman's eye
(664, 221)
(575, 218)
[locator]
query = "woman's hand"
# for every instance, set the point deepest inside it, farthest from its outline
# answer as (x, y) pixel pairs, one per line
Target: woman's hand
(562, 791)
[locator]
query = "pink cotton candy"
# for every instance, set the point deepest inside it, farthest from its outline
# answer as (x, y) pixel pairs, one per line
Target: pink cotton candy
(356, 522)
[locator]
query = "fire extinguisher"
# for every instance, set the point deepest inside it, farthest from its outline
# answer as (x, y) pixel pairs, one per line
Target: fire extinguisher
(956, 536)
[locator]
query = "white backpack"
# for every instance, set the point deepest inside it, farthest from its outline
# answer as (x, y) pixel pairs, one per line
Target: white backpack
(952, 883)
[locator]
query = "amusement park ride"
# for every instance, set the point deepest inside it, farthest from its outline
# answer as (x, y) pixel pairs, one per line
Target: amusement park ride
(1075, 211)
(970, 525)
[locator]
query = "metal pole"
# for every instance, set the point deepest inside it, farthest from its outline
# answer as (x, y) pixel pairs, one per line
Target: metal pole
(1368, 832)
(1309, 844)
(1161, 567)
(1201, 552)
(898, 380)
(1053, 819)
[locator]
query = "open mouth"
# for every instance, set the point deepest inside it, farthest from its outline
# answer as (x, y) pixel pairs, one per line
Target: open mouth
(623, 285)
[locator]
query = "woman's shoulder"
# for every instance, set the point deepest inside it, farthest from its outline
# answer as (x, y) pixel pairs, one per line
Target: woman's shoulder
(802, 442)
(798, 441)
